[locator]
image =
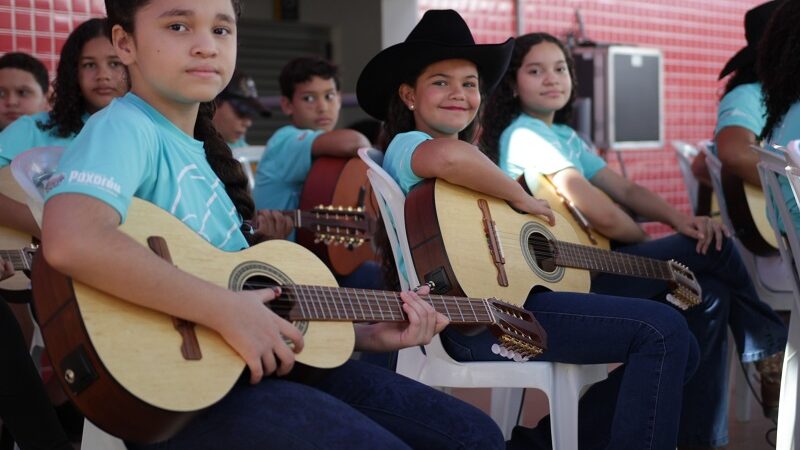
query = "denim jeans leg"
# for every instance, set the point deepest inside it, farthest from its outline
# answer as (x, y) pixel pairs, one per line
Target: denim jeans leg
(279, 414)
(420, 416)
(652, 340)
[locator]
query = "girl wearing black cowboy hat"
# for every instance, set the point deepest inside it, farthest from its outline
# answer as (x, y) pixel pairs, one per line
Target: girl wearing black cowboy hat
(428, 91)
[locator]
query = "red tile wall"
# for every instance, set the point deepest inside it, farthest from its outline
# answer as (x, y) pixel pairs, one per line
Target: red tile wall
(696, 39)
(40, 27)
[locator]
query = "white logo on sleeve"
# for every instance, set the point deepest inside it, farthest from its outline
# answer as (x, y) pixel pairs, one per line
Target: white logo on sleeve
(94, 179)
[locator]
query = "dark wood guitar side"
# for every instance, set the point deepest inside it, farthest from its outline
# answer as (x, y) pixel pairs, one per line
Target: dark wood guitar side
(340, 182)
(82, 374)
(741, 215)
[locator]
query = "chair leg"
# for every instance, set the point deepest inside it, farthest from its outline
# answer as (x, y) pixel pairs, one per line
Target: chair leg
(506, 404)
(738, 380)
(563, 402)
(788, 428)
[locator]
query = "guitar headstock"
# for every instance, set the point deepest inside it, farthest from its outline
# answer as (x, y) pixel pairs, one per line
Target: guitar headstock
(520, 335)
(340, 225)
(685, 291)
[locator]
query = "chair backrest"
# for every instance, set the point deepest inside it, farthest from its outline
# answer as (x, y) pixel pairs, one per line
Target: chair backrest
(715, 173)
(391, 201)
(771, 166)
(686, 152)
(249, 157)
(32, 169)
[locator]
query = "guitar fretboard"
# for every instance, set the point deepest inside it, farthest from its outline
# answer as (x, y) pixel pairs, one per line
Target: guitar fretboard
(590, 258)
(19, 258)
(303, 302)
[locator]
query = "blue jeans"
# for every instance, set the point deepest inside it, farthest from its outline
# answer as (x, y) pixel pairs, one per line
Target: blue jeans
(639, 405)
(368, 275)
(355, 406)
(729, 299)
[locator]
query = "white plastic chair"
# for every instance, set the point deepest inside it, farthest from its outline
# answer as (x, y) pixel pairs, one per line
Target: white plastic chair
(771, 279)
(32, 170)
(562, 383)
(686, 152)
(771, 166)
(769, 273)
(247, 157)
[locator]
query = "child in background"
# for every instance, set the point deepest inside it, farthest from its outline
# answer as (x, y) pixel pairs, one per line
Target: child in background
(237, 106)
(525, 131)
(88, 77)
(24, 85)
(310, 96)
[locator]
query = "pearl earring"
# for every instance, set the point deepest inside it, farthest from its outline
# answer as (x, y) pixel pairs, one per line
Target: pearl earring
(411, 107)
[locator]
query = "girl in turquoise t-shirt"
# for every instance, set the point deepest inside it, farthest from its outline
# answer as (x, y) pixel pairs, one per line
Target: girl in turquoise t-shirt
(162, 147)
(428, 91)
(88, 77)
(524, 126)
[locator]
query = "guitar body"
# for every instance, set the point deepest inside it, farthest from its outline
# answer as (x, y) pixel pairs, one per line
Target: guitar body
(128, 373)
(747, 210)
(541, 188)
(340, 182)
(449, 246)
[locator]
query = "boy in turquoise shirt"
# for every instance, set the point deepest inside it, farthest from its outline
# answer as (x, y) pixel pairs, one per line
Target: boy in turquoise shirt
(237, 105)
(311, 98)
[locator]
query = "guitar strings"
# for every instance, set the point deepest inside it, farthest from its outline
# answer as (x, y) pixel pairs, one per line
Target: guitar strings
(317, 297)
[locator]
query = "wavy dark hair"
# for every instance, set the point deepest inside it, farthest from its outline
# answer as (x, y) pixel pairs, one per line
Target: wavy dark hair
(69, 104)
(218, 154)
(503, 106)
(778, 64)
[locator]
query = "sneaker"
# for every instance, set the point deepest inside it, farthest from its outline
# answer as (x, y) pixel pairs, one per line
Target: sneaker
(769, 370)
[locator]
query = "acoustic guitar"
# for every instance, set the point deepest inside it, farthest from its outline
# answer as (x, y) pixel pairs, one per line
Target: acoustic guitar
(340, 182)
(543, 188)
(140, 374)
(10, 238)
(747, 210)
(467, 242)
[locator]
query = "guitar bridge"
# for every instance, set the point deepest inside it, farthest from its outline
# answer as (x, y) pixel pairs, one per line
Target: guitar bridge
(493, 241)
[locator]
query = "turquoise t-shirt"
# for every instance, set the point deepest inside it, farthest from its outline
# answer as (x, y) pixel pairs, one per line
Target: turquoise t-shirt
(397, 163)
(24, 133)
(129, 149)
(529, 144)
(742, 107)
(283, 168)
(786, 131)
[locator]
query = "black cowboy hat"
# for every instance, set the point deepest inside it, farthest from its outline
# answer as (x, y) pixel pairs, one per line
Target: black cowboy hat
(242, 95)
(439, 35)
(755, 23)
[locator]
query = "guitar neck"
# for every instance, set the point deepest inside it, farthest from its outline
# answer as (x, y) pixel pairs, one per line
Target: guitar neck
(18, 258)
(303, 302)
(600, 260)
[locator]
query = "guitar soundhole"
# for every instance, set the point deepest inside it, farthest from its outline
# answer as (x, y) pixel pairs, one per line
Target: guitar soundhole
(543, 252)
(258, 282)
